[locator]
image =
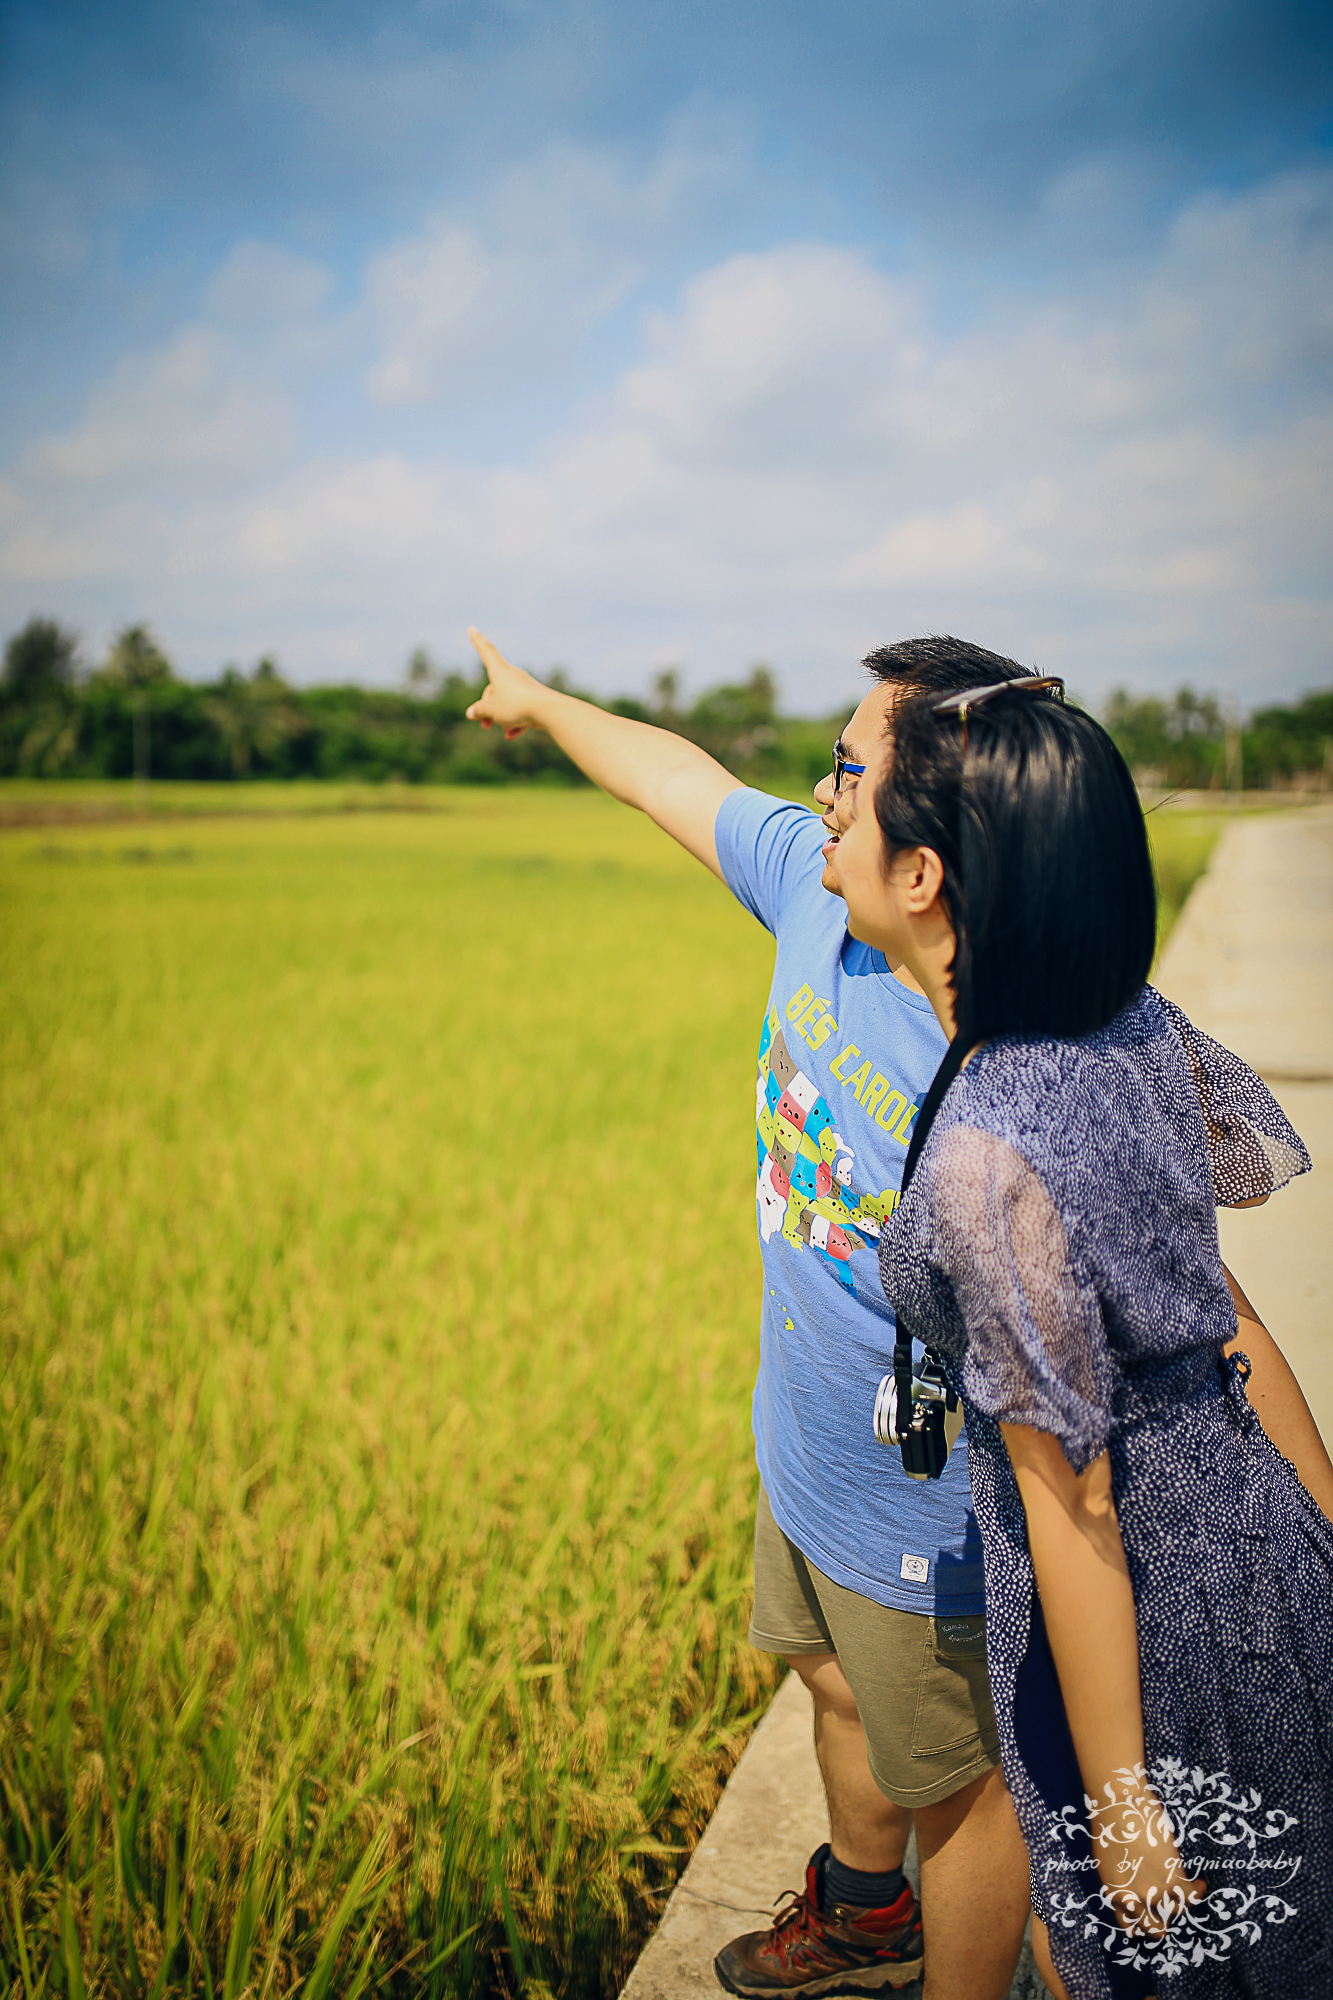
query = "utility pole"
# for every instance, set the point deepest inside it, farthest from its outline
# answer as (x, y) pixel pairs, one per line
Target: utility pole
(1233, 774)
(141, 750)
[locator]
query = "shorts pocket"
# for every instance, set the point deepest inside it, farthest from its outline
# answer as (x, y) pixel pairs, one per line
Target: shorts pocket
(962, 1638)
(953, 1705)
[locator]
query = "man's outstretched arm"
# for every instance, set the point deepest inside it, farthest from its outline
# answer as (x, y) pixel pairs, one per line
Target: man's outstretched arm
(675, 782)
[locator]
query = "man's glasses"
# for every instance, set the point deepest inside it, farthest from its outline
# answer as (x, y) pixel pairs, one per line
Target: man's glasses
(842, 769)
(971, 699)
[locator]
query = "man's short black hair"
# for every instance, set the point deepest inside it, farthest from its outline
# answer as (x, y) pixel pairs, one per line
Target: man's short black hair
(939, 665)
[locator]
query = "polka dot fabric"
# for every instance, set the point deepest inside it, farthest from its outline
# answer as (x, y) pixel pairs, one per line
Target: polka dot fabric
(1058, 1249)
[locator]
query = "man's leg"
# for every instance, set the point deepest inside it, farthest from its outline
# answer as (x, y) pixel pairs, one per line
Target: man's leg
(919, 1688)
(974, 1866)
(854, 1927)
(974, 1891)
(866, 1830)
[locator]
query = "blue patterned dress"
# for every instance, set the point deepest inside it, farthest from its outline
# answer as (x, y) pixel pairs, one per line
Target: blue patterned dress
(1058, 1249)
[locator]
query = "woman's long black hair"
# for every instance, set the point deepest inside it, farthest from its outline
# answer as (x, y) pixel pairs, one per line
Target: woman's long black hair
(1047, 875)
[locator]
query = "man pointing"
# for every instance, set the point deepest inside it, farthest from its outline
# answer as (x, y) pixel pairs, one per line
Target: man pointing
(867, 1582)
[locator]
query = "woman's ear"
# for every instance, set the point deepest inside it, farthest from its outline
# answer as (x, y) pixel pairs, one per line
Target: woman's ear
(924, 879)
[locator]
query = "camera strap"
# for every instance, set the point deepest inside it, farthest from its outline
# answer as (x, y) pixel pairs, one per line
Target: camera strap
(934, 1097)
(930, 1104)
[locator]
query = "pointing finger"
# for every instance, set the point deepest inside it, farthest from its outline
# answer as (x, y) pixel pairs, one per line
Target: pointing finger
(491, 656)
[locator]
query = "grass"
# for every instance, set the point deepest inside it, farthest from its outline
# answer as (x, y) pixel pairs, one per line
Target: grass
(377, 1315)
(57, 801)
(1182, 843)
(377, 1298)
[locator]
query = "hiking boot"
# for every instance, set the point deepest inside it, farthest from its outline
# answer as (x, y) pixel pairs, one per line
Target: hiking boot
(839, 1950)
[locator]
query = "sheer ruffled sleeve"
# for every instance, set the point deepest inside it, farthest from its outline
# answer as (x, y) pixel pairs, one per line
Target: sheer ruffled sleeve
(1036, 1349)
(1252, 1147)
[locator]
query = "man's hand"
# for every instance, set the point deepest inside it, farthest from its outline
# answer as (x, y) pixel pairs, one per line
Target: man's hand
(512, 699)
(672, 780)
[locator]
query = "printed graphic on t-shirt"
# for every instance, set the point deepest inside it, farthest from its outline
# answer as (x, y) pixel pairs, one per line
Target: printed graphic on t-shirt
(806, 1185)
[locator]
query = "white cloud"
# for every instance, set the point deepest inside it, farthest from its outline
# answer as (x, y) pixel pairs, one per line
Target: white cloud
(794, 356)
(38, 553)
(198, 403)
(465, 305)
(379, 514)
(1128, 483)
(263, 282)
(799, 421)
(218, 398)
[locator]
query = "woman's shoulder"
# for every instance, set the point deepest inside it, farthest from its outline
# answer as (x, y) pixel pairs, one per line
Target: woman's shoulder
(1039, 1092)
(1054, 1062)
(1057, 1061)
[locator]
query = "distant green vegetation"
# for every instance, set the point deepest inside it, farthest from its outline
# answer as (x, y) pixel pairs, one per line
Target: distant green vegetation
(1186, 743)
(132, 714)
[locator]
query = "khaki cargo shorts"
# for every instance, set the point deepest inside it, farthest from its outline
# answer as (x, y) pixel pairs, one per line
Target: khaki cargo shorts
(919, 1682)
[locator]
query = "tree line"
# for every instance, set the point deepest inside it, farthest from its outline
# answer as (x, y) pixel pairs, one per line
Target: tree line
(1187, 742)
(132, 715)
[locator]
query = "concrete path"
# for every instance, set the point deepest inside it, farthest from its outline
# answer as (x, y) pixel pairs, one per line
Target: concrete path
(769, 1821)
(1251, 961)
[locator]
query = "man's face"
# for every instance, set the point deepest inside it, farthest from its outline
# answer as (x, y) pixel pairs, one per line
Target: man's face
(859, 740)
(871, 883)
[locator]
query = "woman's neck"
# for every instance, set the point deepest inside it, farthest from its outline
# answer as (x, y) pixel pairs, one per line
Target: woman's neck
(930, 969)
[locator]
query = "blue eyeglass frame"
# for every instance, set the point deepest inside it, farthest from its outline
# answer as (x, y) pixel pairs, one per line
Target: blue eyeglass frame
(842, 769)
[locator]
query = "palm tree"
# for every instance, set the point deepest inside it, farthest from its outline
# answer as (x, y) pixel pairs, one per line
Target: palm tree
(39, 687)
(136, 660)
(253, 715)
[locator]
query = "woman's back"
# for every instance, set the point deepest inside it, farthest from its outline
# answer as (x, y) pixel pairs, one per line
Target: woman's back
(1060, 1235)
(1058, 1245)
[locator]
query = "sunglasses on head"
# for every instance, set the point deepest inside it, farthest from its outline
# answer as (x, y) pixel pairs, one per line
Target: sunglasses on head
(971, 699)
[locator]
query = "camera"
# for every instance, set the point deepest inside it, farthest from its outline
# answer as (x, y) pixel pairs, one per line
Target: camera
(934, 1416)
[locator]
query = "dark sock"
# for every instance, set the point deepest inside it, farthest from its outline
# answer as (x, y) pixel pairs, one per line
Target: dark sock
(854, 1885)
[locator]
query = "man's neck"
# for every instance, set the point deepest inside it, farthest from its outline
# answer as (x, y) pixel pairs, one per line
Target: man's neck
(900, 972)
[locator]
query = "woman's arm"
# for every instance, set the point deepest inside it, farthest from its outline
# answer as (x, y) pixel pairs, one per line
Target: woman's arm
(1088, 1604)
(1086, 1599)
(1278, 1403)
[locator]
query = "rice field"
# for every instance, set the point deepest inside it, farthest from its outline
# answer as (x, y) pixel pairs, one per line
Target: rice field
(377, 1316)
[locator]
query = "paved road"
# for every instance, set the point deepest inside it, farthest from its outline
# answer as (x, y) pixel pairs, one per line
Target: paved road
(1251, 961)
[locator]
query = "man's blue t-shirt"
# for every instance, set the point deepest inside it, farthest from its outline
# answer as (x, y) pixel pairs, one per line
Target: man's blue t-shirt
(846, 1055)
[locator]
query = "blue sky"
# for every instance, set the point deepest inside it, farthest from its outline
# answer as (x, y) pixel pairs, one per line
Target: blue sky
(688, 335)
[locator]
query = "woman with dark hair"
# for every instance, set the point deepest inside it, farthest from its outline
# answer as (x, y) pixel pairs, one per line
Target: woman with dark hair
(1159, 1580)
